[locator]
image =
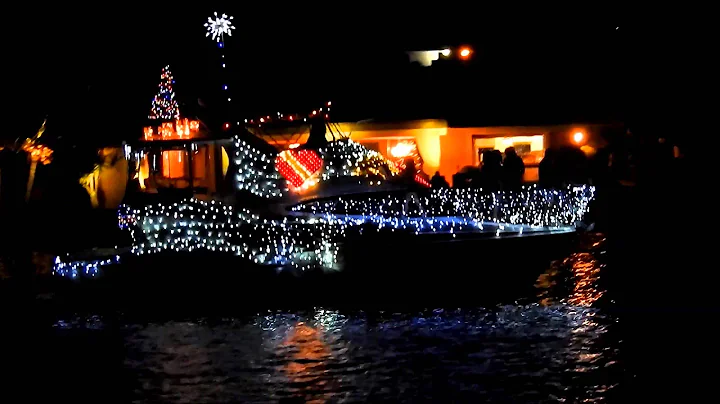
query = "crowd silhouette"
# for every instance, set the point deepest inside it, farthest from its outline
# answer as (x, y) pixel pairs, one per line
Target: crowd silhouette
(564, 166)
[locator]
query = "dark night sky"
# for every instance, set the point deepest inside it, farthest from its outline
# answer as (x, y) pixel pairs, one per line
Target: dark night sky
(93, 66)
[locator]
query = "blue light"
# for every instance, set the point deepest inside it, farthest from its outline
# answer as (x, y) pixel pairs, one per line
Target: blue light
(220, 44)
(225, 87)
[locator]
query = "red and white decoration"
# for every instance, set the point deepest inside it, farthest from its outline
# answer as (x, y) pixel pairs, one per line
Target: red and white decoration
(299, 167)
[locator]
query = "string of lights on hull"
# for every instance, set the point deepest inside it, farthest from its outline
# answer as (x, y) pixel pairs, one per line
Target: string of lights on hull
(313, 241)
(212, 226)
(532, 206)
(195, 224)
(82, 268)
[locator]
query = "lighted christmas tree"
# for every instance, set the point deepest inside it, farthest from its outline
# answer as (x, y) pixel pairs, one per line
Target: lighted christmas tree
(164, 105)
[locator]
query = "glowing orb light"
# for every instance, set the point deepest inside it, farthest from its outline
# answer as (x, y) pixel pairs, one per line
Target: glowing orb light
(578, 137)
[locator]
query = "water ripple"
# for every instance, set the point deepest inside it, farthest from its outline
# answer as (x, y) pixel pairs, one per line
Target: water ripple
(553, 349)
(526, 352)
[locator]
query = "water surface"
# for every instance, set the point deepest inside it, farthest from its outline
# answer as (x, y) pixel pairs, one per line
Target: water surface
(557, 345)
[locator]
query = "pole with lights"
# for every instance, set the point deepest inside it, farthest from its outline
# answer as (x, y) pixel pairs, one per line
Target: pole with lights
(216, 28)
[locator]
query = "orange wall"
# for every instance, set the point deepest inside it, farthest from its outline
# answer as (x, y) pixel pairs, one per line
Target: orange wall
(456, 152)
(173, 163)
(457, 149)
(457, 146)
(448, 149)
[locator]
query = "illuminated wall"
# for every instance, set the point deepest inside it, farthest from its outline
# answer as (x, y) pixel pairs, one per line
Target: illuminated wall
(449, 149)
(426, 134)
(535, 144)
(459, 147)
(428, 141)
(173, 164)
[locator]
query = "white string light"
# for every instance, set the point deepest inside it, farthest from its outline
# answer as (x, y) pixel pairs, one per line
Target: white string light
(256, 172)
(310, 238)
(75, 269)
(212, 226)
(531, 206)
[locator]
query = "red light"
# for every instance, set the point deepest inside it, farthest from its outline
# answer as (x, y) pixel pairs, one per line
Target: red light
(297, 166)
(226, 126)
(420, 180)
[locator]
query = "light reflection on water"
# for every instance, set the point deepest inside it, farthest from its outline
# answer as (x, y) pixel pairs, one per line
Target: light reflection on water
(553, 350)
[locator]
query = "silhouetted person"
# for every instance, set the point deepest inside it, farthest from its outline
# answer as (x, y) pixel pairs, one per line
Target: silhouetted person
(463, 178)
(490, 174)
(318, 130)
(656, 163)
(575, 166)
(458, 180)
(547, 170)
(438, 181)
(513, 169)
(570, 166)
(408, 175)
(601, 172)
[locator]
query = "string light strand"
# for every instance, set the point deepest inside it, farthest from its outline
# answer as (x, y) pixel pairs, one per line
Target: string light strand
(280, 117)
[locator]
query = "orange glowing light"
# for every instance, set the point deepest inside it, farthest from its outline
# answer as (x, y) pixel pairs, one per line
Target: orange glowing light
(465, 53)
(180, 129)
(309, 364)
(402, 149)
(38, 153)
(578, 137)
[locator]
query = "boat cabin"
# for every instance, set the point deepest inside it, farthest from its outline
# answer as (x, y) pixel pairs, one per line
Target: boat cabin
(182, 158)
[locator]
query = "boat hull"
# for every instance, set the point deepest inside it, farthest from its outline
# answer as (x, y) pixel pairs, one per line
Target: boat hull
(381, 270)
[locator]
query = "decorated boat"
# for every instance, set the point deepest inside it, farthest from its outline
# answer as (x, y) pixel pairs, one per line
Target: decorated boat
(318, 207)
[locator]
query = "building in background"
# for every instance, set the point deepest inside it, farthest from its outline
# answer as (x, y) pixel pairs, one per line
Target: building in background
(441, 147)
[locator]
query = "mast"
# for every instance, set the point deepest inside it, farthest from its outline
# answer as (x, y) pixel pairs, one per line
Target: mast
(316, 138)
